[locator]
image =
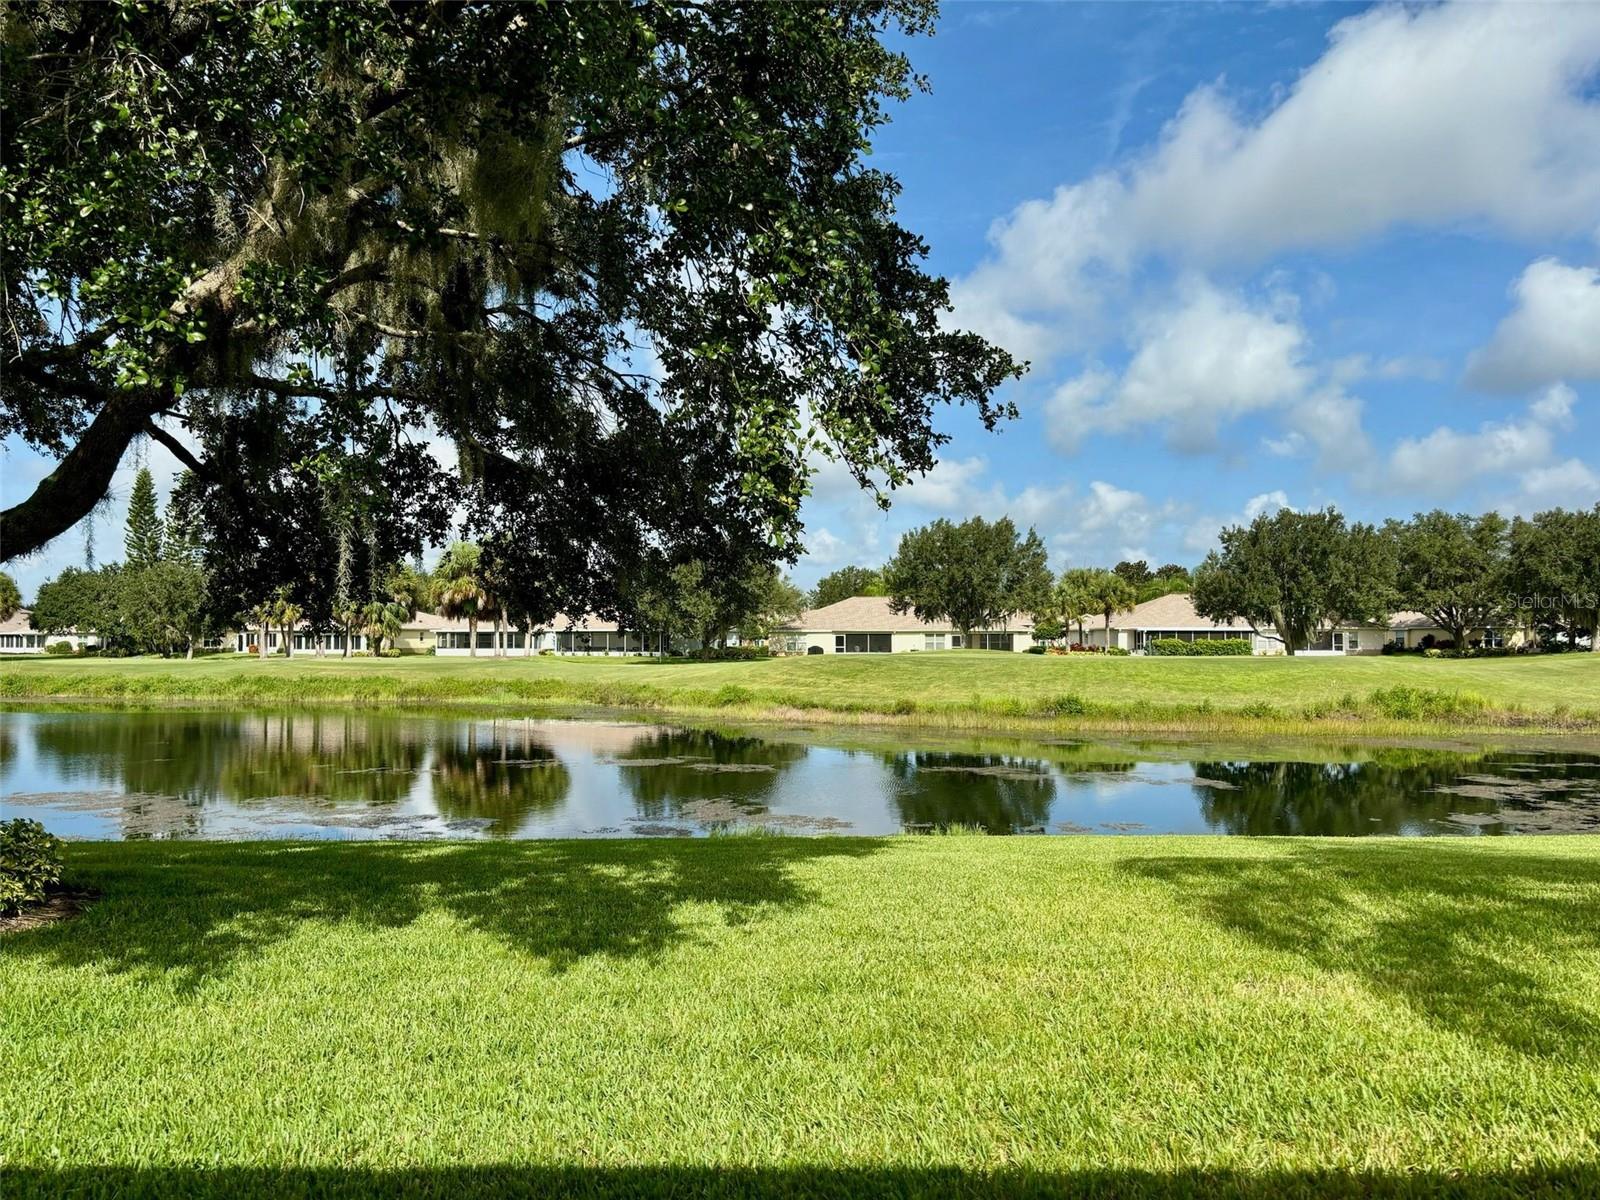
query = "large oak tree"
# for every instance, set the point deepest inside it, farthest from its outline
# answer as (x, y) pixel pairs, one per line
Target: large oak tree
(628, 260)
(1299, 573)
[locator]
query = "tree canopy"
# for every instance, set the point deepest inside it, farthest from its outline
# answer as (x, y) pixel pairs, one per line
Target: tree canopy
(628, 260)
(1298, 573)
(1554, 572)
(846, 582)
(10, 597)
(975, 575)
(1454, 569)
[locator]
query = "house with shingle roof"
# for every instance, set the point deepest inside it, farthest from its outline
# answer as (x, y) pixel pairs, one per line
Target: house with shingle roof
(1173, 616)
(869, 625)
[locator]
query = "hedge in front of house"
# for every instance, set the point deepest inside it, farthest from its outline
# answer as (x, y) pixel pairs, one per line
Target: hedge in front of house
(1200, 649)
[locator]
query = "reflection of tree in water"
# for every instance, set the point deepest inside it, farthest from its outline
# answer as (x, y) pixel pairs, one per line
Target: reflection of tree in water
(326, 757)
(503, 781)
(996, 792)
(661, 786)
(1329, 799)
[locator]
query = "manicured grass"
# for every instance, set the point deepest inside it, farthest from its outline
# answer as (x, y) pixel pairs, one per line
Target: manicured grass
(952, 688)
(1124, 1017)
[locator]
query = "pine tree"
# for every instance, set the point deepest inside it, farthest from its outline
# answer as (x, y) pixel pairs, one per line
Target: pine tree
(143, 539)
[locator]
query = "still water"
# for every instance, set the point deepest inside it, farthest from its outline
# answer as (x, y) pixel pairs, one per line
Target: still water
(187, 774)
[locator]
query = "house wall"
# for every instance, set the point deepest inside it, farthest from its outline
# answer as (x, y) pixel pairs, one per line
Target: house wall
(31, 641)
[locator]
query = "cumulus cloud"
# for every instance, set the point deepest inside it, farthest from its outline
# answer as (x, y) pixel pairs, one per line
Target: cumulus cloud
(1445, 460)
(1428, 116)
(1568, 484)
(1552, 332)
(1201, 534)
(1207, 361)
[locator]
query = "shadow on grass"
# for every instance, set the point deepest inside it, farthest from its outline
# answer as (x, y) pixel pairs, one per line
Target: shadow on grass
(596, 1183)
(1445, 929)
(194, 910)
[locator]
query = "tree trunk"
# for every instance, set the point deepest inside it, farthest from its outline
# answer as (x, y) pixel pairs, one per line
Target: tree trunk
(472, 636)
(262, 649)
(288, 641)
(499, 639)
(190, 653)
(346, 653)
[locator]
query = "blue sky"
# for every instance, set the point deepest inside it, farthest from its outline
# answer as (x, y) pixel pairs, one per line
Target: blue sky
(1288, 254)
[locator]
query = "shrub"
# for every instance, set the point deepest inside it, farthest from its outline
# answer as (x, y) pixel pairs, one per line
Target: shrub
(59, 648)
(1070, 705)
(1035, 650)
(1117, 652)
(1404, 703)
(1201, 648)
(30, 863)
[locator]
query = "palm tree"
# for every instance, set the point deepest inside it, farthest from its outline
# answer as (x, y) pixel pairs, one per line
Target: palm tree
(348, 615)
(261, 617)
(382, 619)
(1111, 594)
(1073, 601)
(461, 591)
(286, 615)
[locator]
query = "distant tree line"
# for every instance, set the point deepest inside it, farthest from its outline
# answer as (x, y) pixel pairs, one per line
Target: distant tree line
(163, 598)
(1291, 573)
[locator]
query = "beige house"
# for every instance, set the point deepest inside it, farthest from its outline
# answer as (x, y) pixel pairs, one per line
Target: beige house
(416, 637)
(1174, 617)
(587, 635)
(868, 625)
(18, 636)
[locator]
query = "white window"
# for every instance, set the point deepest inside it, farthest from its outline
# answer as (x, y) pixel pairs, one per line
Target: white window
(1493, 639)
(838, 643)
(1398, 636)
(933, 641)
(955, 641)
(1353, 642)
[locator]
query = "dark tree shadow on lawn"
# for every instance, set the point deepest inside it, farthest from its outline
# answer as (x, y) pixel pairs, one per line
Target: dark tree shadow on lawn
(793, 1183)
(1444, 929)
(194, 910)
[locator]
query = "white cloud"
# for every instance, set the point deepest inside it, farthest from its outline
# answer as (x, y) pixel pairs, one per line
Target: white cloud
(1201, 534)
(824, 548)
(1569, 484)
(1195, 367)
(1427, 116)
(1552, 333)
(1444, 461)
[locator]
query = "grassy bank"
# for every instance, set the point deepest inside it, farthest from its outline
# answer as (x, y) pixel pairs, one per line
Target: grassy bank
(951, 689)
(803, 1017)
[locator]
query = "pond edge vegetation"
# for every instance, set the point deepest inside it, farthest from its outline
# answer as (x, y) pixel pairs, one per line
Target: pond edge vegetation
(1398, 709)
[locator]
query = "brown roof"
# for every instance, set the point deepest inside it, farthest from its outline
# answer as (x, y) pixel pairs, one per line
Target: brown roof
(17, 622)
(873, 614)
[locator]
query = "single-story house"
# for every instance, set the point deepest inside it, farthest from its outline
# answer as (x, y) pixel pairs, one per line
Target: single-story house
(868, 625)
(18, 636)
(1173, 616)
(585, 635)
(416, 637)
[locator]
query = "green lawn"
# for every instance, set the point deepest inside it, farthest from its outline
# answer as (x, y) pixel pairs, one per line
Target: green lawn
(1122, 1017)
(951, 687)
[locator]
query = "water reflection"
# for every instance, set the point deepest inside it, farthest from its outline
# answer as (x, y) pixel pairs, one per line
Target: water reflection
(996, 793)
(348, 774)
(500, 780)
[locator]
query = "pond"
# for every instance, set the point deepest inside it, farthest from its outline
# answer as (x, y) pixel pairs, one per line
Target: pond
(195, 774)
